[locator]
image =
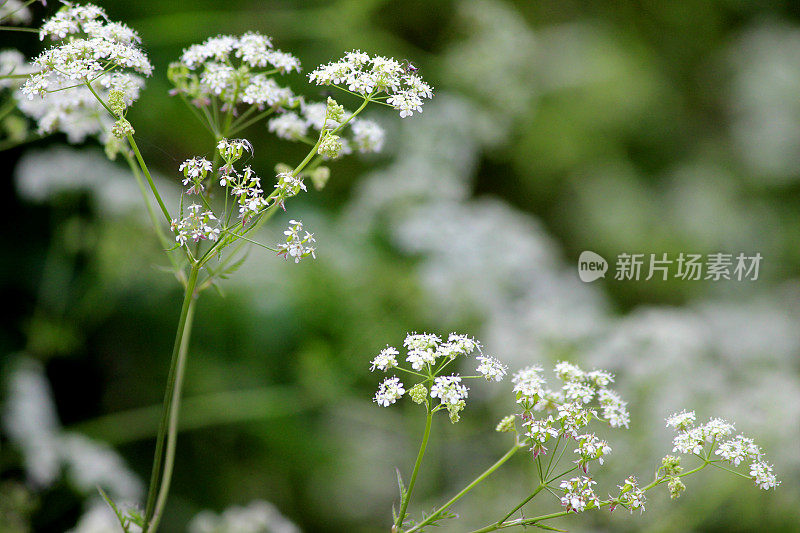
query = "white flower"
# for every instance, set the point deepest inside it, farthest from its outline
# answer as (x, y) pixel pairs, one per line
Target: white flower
(614, 408)
(716, 428)
(288, 126)
(631, 495)
(578, 494)
(258, 516)
(761, 473)
(448, 389)
(591, 448)
(368, 136)
(385, 360)
(389, 392)
(600, 378)
(738, 449)
(419, 358)
(236, 70)
(370, 76)
(574, 390)
(540, 431)
(196, 226)
(691, 441)
(528, 384)
(491, 368)
(422, 341)
(682, 421)
(568, 372)
(196, 167)
(573, 417)
(297, 241)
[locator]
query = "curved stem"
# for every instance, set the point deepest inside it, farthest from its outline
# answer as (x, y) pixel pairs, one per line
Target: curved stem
(172, 433)
(468, 488)
(407, 496)
(174, 379)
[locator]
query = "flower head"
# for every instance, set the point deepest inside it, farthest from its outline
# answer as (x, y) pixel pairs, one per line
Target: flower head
(297, 241)
(391, 390)
(371, 76)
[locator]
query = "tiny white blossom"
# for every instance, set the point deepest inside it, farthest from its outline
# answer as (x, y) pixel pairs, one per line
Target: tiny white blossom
(385, 360)
(568, 372)
(682, 421)
(761, 472)
(448, 389)
(738, 449)
(391, 390)
(691, 441)
(491, 368)
(578, 494)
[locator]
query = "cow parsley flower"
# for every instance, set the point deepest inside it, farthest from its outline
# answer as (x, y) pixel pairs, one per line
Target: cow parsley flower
(716, 428)
(578, 494)
(631, 495)
(568, 372)
(528, 385)
(385, 360)
(691, 441)
(195, 226)
(391, 390)
(682, 421)
(449, 389)
(377, 78)
(738, 449)
(419, 358)
(591, 448)
(297, 241)
(761, 472)
(235, 70)
(540, 431)
(491, 368)
(614, 408)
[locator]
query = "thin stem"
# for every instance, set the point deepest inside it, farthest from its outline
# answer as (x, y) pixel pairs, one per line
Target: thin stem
(165, 243)
(14, 28)
(153, 188)
(173, 384)
(468, 488)
(407, 497)
(172, 434)
(539, 489)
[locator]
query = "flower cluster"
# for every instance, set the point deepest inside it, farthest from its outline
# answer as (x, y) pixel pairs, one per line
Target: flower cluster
(631, 495)
(377, 78)
(715, 433)
(578, 494)
(364, 135)
(297, 245)
(428, 356)
(196, 226)
(236, 70)
(95, 46)
(96, 52)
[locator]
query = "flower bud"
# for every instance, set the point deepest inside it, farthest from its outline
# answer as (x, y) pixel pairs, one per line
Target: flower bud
(122, 128)
(418, 393)
(507, 424)
(330, 146)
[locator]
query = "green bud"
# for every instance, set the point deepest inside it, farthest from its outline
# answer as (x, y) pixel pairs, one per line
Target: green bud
(676, 486)
(122, 128)
(418, 393)
(507, 424)
(320, 176)
(113, 147)
(672, 465)
(455, 409)
(116, 101)
(334, 111)
(330, 146)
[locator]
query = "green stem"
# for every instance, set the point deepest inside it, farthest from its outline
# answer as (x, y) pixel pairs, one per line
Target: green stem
(172, 433)
(539, 489)
(173, 385)
(14, 28)
(510, 453)
(153, 188)
(165, 243)
(407, 497)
